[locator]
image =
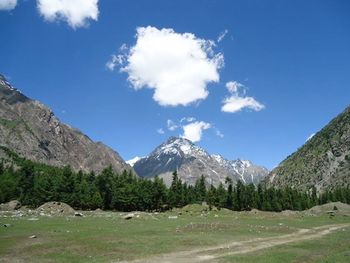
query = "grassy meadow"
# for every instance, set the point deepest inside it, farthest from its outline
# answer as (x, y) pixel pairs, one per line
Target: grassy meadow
(107, 237)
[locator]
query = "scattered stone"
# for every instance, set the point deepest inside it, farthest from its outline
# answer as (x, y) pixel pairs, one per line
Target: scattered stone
(78, 214)
(129, 216)
(7, 225)
(214, 209)
(172, 217)
(33, 236)
(216, 215)
(33, 219)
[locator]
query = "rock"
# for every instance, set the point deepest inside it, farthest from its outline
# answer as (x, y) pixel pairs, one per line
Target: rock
(172, 217)
(56, 209)
(10, 206)
(33, 236)
(78, 214)
(129, 216)
(215, 209)
(7, 225)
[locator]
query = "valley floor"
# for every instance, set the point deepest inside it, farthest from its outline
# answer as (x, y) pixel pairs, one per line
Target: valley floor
(183, 235)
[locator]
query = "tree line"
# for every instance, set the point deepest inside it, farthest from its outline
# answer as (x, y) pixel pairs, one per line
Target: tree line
(34, 184)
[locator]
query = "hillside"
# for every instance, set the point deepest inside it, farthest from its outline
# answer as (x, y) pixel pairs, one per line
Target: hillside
(31, 129)
(323, 161)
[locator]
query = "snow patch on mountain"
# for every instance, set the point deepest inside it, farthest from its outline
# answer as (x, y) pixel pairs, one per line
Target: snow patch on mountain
(132, 161)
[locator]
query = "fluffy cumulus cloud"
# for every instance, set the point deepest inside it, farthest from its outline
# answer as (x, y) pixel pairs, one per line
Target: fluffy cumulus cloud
(193, 131)
(178, 67)
(237, 100)
(76, 13)
(7, 4)
(190, 127)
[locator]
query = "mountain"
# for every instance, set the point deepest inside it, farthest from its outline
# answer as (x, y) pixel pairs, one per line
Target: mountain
(132, 161)
(191, 161)
(31, 129)
(323, 161)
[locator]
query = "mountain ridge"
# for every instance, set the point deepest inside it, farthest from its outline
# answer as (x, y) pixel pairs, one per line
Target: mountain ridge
(31, 129)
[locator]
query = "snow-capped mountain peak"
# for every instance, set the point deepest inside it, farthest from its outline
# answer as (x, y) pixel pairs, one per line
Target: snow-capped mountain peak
(178, 146)
(192, 161)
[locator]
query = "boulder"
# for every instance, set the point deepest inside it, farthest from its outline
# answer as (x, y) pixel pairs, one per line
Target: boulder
(78, 214)
(129, 216)
(55, 208)
(11, 206)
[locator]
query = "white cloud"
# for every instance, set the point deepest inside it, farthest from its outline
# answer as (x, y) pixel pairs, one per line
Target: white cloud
(118, 60)
(236, 101)
(234, 86)
(75, 12)
(178, 67)
(219, 133)
(193, 131)
(172, 126)
(160, 131)
(222, 35)
(311, 135)
(115, 61)
(7, 4)
(187, 119)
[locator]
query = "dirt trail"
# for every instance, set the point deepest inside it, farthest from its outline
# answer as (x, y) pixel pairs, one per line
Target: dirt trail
(211, 254)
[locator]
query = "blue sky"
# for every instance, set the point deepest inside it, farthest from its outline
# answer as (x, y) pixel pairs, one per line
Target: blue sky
(292, 57)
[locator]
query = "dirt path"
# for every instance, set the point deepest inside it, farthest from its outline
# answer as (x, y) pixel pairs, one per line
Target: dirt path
(211, 254)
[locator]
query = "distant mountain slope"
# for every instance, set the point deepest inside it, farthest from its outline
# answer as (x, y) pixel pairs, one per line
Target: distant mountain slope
(192, 161)
(31, 129)
(323, 161)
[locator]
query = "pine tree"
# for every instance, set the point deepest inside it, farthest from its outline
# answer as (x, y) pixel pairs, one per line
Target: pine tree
(27, 183)
(200, 189)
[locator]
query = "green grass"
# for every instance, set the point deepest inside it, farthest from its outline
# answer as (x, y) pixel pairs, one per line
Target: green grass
(109, 237)
(334, 247)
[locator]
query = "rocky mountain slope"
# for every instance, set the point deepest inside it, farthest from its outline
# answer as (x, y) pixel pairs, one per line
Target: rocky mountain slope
(32, 130)
(323, 161)
(192, 161)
